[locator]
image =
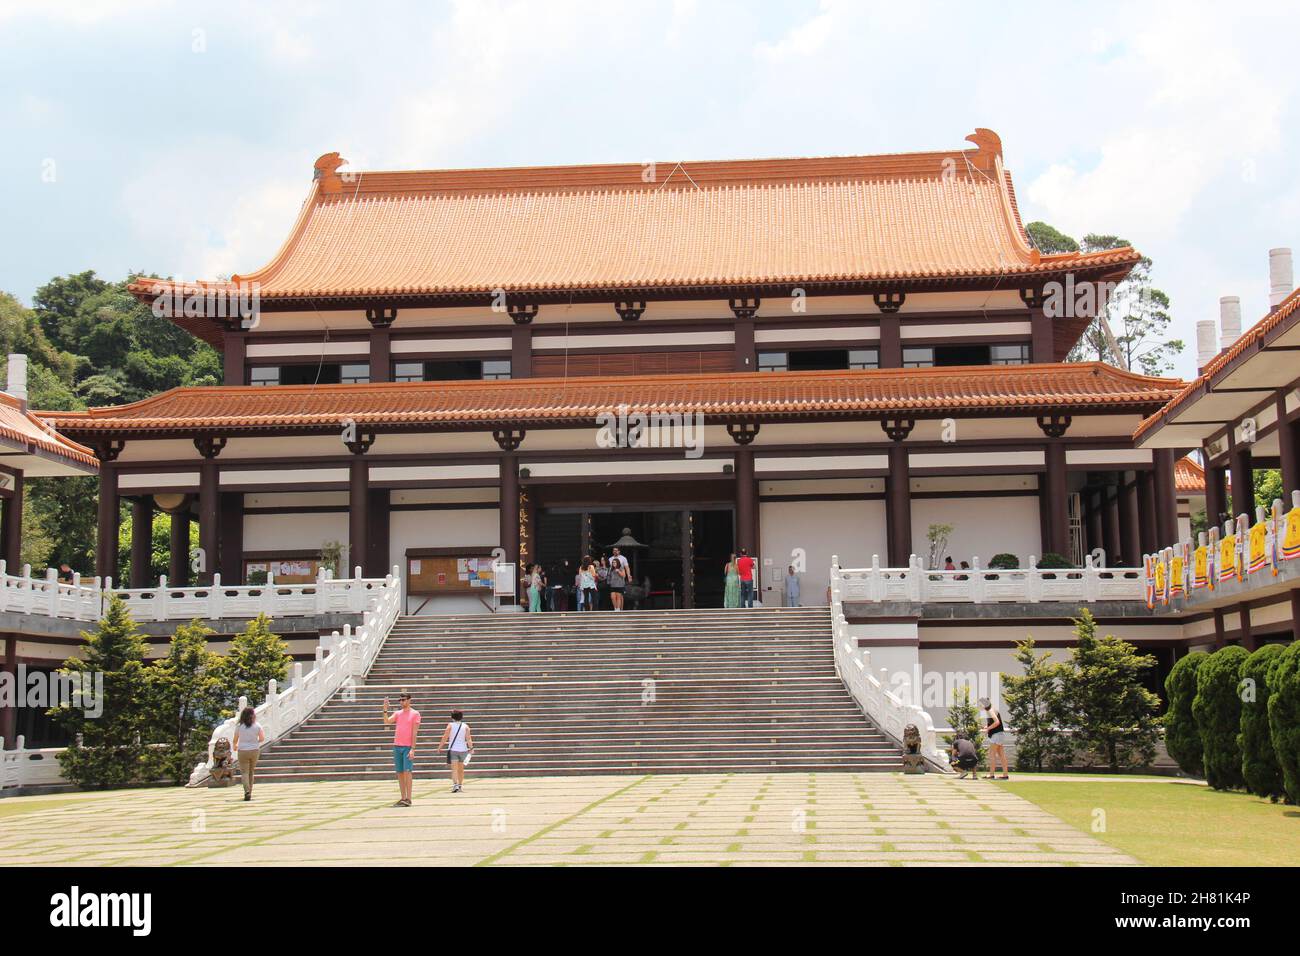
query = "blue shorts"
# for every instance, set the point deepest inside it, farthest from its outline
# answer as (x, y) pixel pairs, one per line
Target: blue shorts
(402, 761)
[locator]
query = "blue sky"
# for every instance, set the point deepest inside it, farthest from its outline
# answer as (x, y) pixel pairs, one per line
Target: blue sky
(178, 138)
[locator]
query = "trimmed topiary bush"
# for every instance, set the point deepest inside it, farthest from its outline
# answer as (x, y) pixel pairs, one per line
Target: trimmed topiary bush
(1259, 765)
(1284, 718)
(1182, 738)
(1052, 561)
(1217, 709)
(1004, 562)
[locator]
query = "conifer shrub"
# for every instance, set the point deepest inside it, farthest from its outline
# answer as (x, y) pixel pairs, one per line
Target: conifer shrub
(1284, 718)
(1259, 764)
(1217, 709)
(1182, 736)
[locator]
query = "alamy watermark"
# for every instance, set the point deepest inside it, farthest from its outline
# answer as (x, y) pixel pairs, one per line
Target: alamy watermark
(623, 428)
(42, 690)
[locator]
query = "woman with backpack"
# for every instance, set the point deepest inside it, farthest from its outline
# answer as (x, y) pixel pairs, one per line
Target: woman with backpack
(458, 741)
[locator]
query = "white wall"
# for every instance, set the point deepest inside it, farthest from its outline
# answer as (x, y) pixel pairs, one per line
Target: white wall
(854, 530)
(294, 532)
(981, 526)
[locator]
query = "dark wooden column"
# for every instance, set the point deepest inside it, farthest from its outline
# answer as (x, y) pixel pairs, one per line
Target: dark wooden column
(1166, 496)
(9, 714)
(381, 362)
(11, 525)
(521, 351)
(1110, 535)
(231, 536)
(141, 540)
(106, 536)
(1295, 614)
(746, 501)
(509, 507)
(898, 493)
(891, 342)
(1056, 535)
(1243, 481)
(1248, 639)
(178, 565)
(234, 353)
(1220, 630)
(380, 504)
(1092, 519)
(1288, 444)
(1042, 347)
(381, 319)
(209, 521)
(746, 353)
(688, 561)
(1216, 499)
(1130, 528)
(1147, 516)
(358, 511)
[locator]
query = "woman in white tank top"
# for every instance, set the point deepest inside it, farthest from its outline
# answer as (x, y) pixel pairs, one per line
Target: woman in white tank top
(458, 741)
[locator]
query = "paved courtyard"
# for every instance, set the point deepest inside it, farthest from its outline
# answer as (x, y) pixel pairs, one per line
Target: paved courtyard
(735, 819)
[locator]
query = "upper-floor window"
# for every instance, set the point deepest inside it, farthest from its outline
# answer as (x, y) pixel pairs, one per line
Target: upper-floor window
(812, 360)
(1010, 354)
(326, 373)
(923, 356)
(447, 371)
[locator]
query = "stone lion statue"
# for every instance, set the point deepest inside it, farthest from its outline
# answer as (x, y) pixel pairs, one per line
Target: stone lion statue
(222, 771)
(911, 739)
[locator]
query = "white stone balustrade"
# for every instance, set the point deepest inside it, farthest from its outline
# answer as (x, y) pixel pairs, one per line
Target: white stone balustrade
(977, 585)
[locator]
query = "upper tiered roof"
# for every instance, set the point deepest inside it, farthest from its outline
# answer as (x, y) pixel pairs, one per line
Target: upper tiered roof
(933, 219)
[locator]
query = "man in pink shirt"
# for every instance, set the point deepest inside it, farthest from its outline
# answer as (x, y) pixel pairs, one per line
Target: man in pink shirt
(408, 725)
(745, 570)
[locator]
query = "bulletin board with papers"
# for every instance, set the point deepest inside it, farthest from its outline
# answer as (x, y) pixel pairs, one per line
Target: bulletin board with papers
(443, 571)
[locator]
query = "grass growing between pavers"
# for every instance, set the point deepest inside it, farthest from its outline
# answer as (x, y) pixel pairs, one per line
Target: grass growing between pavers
(1169, 823)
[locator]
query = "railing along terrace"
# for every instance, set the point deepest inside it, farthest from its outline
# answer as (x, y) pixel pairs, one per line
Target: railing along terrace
(870, 688)
(76, 600)
(976, 585)
(340, 657)
(1240, 551)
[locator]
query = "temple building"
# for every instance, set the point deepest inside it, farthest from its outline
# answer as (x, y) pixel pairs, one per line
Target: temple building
(798, 357)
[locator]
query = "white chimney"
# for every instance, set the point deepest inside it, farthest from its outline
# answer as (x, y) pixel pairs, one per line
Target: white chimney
(1281, 280)
(1229, 321)
(1205, 347)
(18, 378)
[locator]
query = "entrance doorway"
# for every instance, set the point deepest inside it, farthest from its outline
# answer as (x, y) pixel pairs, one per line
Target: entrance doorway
(677, 549)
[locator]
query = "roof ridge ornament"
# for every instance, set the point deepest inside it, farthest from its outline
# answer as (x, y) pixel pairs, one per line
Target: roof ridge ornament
(988, 148)
(325, 172)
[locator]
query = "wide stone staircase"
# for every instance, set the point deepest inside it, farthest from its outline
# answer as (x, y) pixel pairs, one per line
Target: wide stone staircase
(569, 693)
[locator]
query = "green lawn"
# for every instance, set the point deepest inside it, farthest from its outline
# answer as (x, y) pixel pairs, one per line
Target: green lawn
(1164, 823)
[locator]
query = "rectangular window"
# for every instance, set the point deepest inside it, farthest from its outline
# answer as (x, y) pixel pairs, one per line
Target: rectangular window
(264, 375)
(918, 357)
(315, 373)
(864, 358)
(1010, 354)
(496, 368)
(408, 371)
(354, 373)
(773, 361)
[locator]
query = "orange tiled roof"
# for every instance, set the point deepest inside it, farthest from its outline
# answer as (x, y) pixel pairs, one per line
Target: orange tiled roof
(28, 431)
(917, 217)
(1189, 477)
(923, 392)
(1250, 339)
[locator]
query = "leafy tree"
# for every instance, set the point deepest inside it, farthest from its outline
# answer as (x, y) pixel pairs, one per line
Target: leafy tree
(1284, 718)
(256, 655)
(160, 547)
(1217, 709)
(108, 750)
(963, 717)
(1138, 313)
(1112, 715)
(1259, 764)
(185, 689)
(1268, 486)
(1049, 240)
(1036, 710)
(1182, 736)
